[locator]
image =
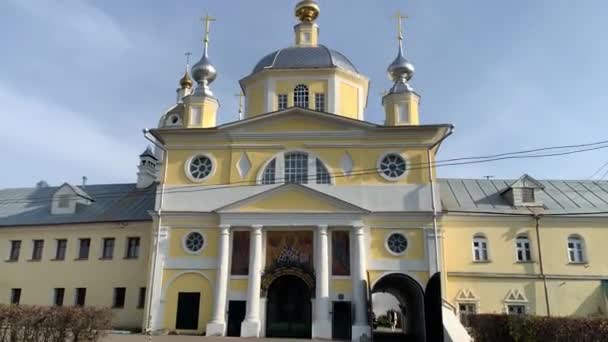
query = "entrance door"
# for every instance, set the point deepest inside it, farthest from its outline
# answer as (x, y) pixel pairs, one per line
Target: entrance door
(341, 321)
(288, 308)
(188, 304)
(236, 315)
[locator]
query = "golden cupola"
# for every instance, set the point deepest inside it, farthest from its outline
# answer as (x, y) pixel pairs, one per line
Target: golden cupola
(307, 75)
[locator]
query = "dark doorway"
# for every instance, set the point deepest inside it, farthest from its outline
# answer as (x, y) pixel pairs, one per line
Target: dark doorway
(411, 302)
(288, 308)
(432, 307)
(236, 315)
(341, 323)
(188, 304)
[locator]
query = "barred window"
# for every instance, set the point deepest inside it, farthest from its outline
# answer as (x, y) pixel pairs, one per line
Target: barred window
(300, 96)
(269, 173)
(282, 99)
(323, 176)
(296, 168)
(320, 102)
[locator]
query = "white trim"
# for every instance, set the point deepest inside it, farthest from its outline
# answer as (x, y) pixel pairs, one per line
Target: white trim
(411, 275)
(288, 220)
(384, 155)
(480, 237)
(529, 241)
(583, 246)
(166, 286)
(189, 161)
(185, 248)
(279, 171)
(391, 233)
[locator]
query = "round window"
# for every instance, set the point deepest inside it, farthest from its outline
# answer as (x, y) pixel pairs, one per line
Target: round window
(392, 166)
(200, 167)
(194, 242)
(396, 243)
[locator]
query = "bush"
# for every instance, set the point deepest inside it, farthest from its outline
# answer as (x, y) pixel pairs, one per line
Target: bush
(509, 328)
(53, 324)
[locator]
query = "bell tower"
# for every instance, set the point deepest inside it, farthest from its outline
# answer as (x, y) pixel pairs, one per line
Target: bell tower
(401, 102)
(201, 106)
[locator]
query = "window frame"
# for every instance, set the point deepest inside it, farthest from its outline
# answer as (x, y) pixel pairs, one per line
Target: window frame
(282, 99)
(526, 252)
(128, 252)
(77, 296)
(58, 293)
(185, 238)
(278, 160)
(60, 251)
(296, 171)
(387, 247)
(104, 255)
(481, 238)
(582, 251)
(518, 305)
(119, 298)
(80, 249)
(462, 315)
(15, 298)
(301, 96)
(528, 195)
(331, 234)
(37, 249)
(14, 251)
(320, 102)
(192, 158)
(388, 178)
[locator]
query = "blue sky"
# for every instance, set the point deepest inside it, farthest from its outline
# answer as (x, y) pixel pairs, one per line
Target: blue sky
(79, 79)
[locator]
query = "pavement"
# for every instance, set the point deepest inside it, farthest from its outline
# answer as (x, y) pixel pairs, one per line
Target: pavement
(186, 338)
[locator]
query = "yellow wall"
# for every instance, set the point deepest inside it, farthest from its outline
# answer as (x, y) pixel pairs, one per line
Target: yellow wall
(184, 281)
(38, 279)
(287, 87)
(238, 285)
(255, 100)
(177, 236)
(415, 249)
(349, 100)
(344, 286)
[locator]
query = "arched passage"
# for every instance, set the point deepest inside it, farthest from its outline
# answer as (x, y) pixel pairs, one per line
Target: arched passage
(288, 308)
(411, 301)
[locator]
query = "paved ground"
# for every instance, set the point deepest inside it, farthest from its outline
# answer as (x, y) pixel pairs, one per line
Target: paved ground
(183, 338)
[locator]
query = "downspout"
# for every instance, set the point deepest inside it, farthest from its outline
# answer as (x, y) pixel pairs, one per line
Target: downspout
(433, 200)
(157, 238)
(540, 261)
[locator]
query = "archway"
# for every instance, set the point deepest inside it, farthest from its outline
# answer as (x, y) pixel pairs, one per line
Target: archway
(410, 296)
(288, 308)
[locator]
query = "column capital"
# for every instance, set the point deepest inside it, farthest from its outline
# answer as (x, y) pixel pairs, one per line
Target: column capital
(225, 229)
(322, 228)
(257, 228)
(358, 228)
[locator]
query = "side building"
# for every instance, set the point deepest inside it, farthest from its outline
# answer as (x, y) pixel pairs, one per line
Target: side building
(526, 246)
(79, 245)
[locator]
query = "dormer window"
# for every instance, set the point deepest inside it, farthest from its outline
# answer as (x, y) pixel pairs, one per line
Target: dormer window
(64, 201)
(527, 195)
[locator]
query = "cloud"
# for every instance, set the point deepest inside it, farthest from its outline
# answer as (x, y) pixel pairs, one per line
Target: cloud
(77, 20)
(47, 140)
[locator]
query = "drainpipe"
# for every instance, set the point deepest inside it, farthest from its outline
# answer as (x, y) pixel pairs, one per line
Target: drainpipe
(433, 200)
(157, 238)
(540, 261)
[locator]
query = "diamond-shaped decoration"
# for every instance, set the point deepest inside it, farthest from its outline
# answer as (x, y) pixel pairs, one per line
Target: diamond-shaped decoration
(243, 165)
(347, 164)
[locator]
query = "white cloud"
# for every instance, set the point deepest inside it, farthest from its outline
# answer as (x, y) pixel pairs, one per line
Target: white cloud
(60, 144)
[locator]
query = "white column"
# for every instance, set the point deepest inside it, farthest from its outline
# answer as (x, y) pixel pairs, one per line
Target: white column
(322, 325)
(157, 302)
(360, 324)
(251, 325)
(217, 326)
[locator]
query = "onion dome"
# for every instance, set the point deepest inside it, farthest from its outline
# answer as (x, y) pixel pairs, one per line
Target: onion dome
(203, 72)
(186, 81)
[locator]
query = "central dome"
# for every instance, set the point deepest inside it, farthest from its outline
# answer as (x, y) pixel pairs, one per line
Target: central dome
(308, 57)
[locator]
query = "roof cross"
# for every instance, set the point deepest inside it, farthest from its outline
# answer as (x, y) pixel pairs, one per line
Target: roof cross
(207, 20)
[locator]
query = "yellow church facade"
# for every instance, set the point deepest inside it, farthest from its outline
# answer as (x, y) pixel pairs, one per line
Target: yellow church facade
(283, 223)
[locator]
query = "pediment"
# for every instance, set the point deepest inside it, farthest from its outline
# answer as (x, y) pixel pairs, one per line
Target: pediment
(291, 198)
(526, 181)
(296, 120)
(466, 295)
(516, 296)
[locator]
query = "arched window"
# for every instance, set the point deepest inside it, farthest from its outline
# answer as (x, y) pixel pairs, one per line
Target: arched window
(523, 248)
(323, 176)
(576, 249)
(480, 248)
(269, 173)
(300, 96)
(295, 167)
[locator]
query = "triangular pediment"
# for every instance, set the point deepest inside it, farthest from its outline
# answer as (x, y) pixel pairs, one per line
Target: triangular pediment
(296, 120)
(466, 295)
(516, 296)
(526, 181)
(291, 198)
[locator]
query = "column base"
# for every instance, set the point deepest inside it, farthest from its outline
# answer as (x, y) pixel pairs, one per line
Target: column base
(359, 331)
(321, 329)
(250, 329)
(216, 329)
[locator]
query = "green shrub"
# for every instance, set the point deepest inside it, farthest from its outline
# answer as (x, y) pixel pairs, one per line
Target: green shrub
(508, 328)
(53, 324)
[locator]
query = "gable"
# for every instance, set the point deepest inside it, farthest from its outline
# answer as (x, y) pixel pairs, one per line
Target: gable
(526, 181)
(466, 295)
(516, 296)
(291, 198)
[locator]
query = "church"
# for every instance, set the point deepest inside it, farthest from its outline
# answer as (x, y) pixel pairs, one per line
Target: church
(285, 222)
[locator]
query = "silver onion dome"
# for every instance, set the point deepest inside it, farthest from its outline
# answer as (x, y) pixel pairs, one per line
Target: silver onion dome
(204, 73)
(401, 70)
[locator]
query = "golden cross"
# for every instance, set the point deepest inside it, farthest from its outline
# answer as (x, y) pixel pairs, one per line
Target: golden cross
(400, 17)
(207, 19)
